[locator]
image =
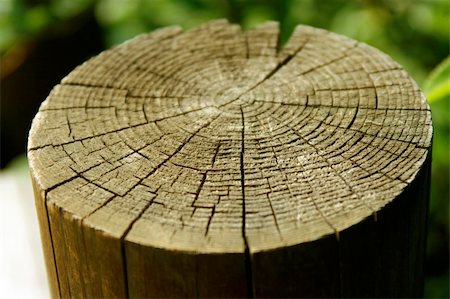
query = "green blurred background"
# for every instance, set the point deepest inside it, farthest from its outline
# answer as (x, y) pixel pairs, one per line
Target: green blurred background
(42, 41)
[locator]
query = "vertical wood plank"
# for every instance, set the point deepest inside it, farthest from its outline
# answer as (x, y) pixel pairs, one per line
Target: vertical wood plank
(47, 242)
(306, 270)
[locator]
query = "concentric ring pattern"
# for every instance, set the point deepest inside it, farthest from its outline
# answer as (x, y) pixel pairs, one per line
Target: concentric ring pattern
(215, 139)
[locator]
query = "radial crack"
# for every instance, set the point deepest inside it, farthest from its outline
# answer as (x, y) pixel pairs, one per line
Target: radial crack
(248, 262)
(345, 54)
(270, 74)
(118, 130)
(157, 167)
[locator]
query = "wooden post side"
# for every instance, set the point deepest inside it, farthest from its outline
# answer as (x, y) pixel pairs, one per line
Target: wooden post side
(47, 241)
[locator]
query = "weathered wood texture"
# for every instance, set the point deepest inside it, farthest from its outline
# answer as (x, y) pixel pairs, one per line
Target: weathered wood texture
(215, 163)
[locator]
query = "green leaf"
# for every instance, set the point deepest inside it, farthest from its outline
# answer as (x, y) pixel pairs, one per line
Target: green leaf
(437, 85)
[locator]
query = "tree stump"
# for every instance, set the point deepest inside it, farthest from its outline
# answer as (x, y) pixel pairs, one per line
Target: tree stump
(216, 163)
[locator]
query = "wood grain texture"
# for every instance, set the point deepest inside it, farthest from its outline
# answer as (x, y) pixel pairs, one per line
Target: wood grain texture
(215, 163)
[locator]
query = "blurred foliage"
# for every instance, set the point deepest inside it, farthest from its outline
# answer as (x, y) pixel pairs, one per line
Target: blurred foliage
(414, 32)
(437, 85)
(21, 20)
(438, 92)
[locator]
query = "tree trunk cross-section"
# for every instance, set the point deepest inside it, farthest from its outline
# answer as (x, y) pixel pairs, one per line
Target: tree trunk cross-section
(215, 163)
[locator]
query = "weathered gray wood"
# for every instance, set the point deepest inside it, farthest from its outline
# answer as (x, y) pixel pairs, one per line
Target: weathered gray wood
(213, 163)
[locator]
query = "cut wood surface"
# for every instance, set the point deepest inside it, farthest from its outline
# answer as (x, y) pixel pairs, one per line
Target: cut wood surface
(215, 162)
